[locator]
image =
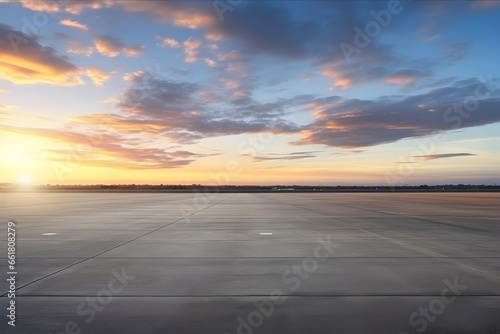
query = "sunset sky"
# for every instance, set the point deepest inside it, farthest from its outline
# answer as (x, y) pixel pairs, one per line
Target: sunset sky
(249, 92)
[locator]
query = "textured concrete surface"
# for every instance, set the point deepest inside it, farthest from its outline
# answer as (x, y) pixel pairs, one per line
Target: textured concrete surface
(254, 263)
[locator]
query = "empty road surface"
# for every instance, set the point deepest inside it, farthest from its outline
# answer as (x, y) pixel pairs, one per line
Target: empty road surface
(252, 263)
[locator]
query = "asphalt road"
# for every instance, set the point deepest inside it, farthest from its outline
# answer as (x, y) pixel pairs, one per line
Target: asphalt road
(253, 263)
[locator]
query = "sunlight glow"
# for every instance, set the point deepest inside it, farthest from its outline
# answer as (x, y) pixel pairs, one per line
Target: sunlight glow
(25, 180)
(13, 157)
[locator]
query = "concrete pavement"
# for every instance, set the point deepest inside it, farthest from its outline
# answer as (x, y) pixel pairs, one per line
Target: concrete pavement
(254, 263)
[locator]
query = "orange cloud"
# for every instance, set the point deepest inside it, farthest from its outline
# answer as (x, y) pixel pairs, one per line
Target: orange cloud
(406, 78)
(121, 124)
(79, 48)
(133, 51)
(181, 14)
(337, 79)
(74, 24)
(40, 6)
(73, 7)
(75, 46)
(98, 76)
(400, 80)
(24, 61)
(112, 47)
(102, 150)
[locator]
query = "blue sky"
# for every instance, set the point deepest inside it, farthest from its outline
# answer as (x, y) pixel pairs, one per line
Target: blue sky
(249, 92)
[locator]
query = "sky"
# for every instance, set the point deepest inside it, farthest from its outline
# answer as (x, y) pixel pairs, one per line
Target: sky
(249, 92)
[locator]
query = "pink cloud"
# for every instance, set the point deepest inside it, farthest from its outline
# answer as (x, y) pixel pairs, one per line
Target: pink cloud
(191, 47)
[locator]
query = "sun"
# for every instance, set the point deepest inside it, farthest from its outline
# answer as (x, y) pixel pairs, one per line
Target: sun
(25, 180)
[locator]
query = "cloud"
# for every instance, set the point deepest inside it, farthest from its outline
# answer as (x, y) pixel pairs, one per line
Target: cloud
(74, 24)
(484, 4)
(109, 46)
(286, 156)
(237, 67)
(455, 51)
(236, 77)
(231, 55)
(354, 123)
(105, 150)
(268, 111)
(275, 32)
(24, 61)
(322, 26)
(98, 76)
(74, 46)
(5, 111)
(40, 5)
(185, 14)
(182, 112)
(316, 34)
(112, 47)
(232, 84)
(381, 63)
(441, 156)
(121, 124)
(282, 34)
(431, 29)
(70, 6)
(134, 50)
(405, 78)
(170, 42)
(191, 46)
(152, 96)
(210, 62)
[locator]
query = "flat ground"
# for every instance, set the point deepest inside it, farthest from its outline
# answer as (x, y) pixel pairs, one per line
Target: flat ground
(195, 263)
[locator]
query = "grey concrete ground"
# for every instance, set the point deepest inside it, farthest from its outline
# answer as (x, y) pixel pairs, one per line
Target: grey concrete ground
(193, 263)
